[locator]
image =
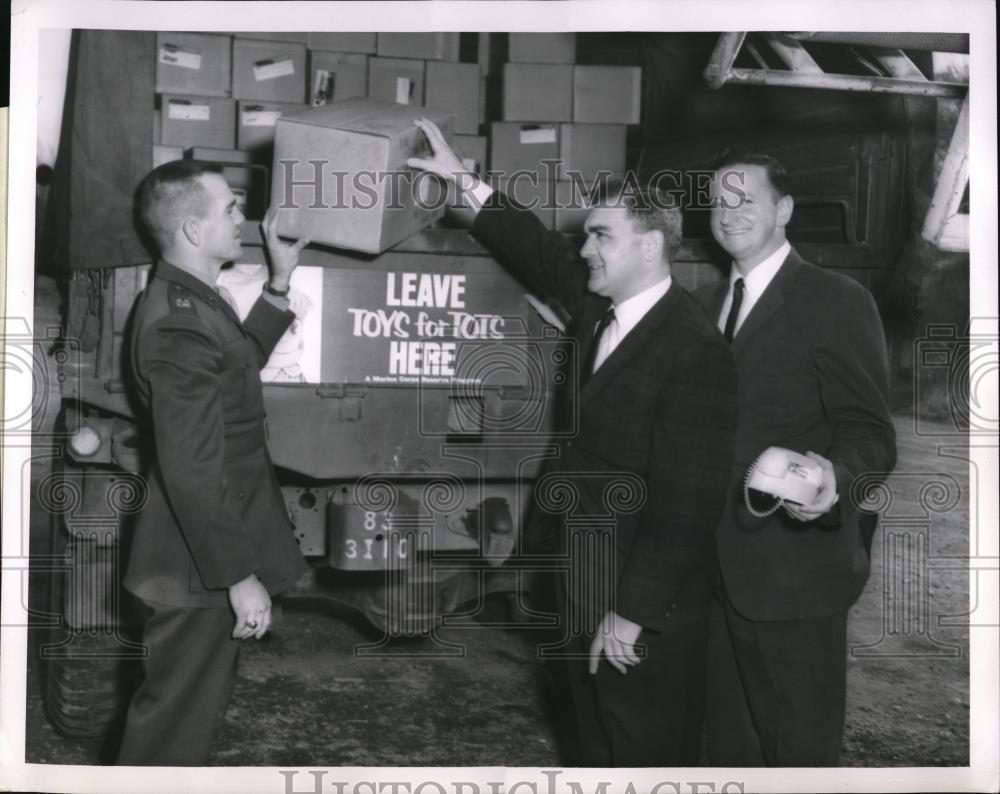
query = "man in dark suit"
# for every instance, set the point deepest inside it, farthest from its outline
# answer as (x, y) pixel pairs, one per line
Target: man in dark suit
(656, 412)
(813, 378)
(214, 541)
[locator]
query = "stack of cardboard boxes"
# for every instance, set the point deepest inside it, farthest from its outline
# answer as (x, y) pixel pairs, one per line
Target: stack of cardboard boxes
(552, 125)
(218, 97)
(425, 69)
(563, 125)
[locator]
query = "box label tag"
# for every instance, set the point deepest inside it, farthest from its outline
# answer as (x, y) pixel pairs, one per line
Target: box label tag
(185, 111)
(175, 56)
(403, 85)
(323, 86)
(259, 118)
(270, 70)
(531, 135)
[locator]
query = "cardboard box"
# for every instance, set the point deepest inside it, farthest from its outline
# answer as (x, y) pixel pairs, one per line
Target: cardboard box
(342, 42)
(193, 63)
(255, 125)
(571, 209)
(522, 146)
(537, 92)
(398, 80)
(472, 150)
(607, 94)
(591, 148)
(534, 194)
(542, 48)
(166, 154)
(209, 155)
(271, 35)
(428, 46)
(336, 75)
(269, 70)
(188, 120)
(454, 87)
(353, 201)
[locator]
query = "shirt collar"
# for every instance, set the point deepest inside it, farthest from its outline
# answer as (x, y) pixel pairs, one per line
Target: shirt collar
(629, 312)
(756, 281)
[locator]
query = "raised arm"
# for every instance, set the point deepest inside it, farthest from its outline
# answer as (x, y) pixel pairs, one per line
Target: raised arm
(270, 316)
(538, 257)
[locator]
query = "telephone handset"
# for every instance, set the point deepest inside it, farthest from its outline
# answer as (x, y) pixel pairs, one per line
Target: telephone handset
(784, 474)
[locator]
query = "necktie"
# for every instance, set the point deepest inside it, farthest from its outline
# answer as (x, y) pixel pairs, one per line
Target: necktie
(593, 359)
(734, 310)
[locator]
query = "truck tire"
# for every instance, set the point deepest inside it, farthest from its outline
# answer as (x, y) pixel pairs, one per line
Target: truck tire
(86, 689)
(89, 669)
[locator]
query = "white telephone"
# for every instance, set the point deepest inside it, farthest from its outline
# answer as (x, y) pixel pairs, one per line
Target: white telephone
(787, 475)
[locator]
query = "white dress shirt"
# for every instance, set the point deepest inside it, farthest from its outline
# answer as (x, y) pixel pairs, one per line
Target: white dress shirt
(628, 313)
(754, 284)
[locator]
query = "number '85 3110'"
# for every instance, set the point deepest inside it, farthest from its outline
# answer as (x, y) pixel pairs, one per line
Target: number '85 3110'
(383, 543)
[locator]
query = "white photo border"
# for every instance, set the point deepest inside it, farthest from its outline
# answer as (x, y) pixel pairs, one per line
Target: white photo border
(975, 17)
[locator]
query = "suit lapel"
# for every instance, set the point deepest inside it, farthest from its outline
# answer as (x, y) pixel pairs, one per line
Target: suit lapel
(716, 299)
(583, 332)
(769, 303)
(633, 344)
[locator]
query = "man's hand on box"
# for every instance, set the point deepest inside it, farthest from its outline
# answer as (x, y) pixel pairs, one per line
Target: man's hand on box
(283, 258)
(466, 190)
(445, 163)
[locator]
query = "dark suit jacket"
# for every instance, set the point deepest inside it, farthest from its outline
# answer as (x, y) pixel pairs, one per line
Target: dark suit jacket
(215, 512)
(660, 410)
(813, 375)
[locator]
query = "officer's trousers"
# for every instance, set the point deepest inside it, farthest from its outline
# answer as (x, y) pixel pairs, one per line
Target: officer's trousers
(189, 676)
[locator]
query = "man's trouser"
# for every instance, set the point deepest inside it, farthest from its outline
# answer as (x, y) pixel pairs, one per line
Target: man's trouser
(776, 689)
(650, 716)
(189, 676)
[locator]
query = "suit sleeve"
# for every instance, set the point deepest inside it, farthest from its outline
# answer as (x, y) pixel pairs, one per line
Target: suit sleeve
(265, 324)
(852, 367)
(538, 257)
(181, 361)
(691, 464)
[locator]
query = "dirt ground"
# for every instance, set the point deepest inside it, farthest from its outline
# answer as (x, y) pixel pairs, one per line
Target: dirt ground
(307, 697)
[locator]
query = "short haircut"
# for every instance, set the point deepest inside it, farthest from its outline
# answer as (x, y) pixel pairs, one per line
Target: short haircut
(651, 210)
(170, 193)
(774, 170)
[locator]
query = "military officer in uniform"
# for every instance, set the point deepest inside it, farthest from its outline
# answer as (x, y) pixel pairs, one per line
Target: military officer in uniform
(214, 542)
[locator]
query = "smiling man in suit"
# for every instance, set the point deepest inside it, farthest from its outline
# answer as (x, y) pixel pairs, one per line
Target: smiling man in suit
(813, 378)
(655, 408)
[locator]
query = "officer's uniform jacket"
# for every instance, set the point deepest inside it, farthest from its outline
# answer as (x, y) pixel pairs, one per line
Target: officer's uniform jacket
(215, 513)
